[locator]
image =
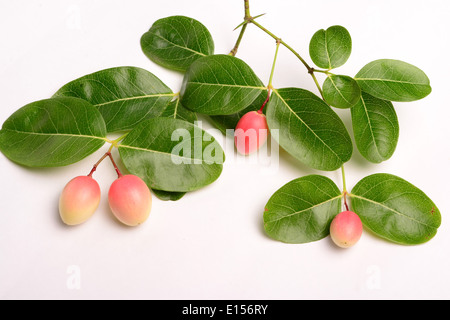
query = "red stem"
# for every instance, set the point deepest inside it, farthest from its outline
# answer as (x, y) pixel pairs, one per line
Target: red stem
(94, 168)
(260, 111)
(345, 201)
(119, 174)
(107, 154)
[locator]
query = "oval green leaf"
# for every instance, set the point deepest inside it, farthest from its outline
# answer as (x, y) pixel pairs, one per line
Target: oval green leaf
(176, 110)
(393, 80)
(341, 91)
(219, 85)
(172, 155)
(301, 211)
(52, 132)
(308, 129)
(376, 128)
(395, 210)
(177, 41)
(330, 48)
(125, 96)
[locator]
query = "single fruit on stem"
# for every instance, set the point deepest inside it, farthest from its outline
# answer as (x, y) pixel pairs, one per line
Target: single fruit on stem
(346, 229)
(130, 200)
(251, 132)
(79, 200)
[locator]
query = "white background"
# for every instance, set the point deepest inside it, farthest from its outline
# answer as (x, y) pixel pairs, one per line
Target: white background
(211, 244)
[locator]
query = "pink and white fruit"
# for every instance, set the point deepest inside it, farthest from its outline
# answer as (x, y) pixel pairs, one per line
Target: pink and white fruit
(346, 229)
(251, 132)
(130, 200)
(79, 200)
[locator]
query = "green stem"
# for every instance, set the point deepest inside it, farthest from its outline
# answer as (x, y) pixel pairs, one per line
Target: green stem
(269, 86)
(345, 188)
(115, 142)
(238, 41)
(317, 85)
(343, 178)
(247, 9)
(249, 19)
(307, 66)
(327, 72)
(284, 44)
(273, 64)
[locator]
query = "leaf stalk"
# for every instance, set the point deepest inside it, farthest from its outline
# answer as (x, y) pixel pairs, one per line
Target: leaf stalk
(249, 19)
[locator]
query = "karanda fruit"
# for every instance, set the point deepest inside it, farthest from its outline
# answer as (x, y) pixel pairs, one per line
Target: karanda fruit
(79, 200)
(346, 229)
(130, 200)
(251, 132)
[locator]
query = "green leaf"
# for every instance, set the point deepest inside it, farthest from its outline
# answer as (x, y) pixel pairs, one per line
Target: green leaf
(375, 126)
(308, 129)
(341, 91)
(219, 85)
(172, 155)
(167, 195)
(125, 96)
(395, 210)
(330, 48)
(301, 211)
(230, 121)
(52, 132)
(176, 110)
(393, 80)
(177, 41)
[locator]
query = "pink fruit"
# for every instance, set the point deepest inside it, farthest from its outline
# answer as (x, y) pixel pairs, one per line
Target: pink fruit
(79, 200)
(130, 200)
(346, 229)
(251, 132)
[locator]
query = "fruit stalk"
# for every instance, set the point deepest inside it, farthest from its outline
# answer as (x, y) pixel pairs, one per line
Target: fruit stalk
(119, 174)
(94, 168)
(107, 154)
(344, 192)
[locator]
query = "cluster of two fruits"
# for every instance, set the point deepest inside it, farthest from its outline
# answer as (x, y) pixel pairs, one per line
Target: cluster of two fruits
(129, 198)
